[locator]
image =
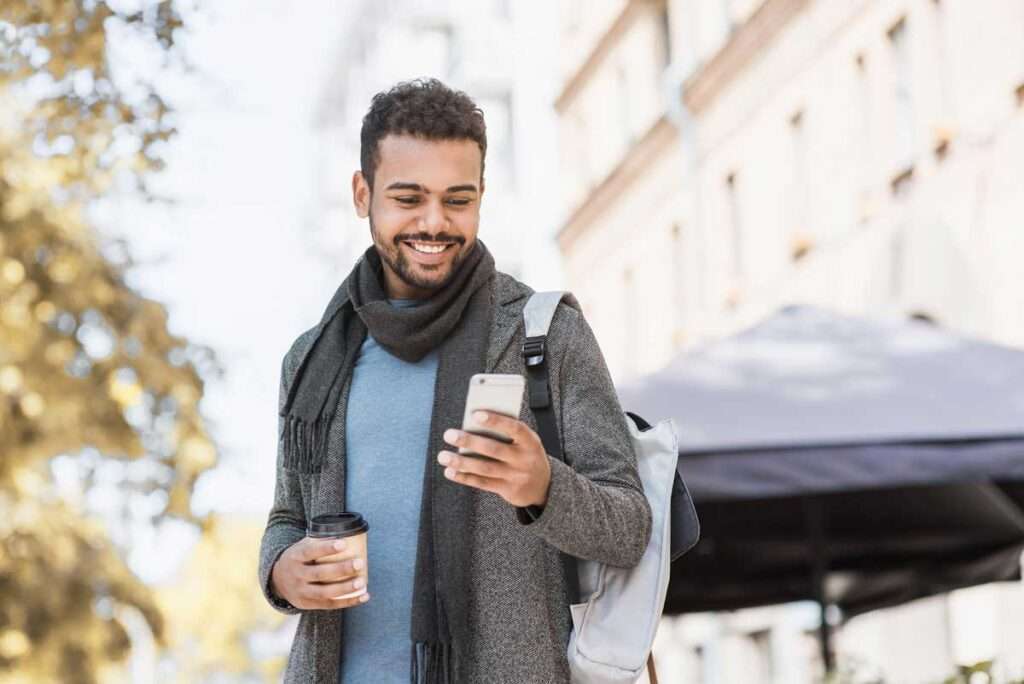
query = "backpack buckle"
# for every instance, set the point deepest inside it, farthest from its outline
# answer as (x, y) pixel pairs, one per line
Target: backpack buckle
(533, 350)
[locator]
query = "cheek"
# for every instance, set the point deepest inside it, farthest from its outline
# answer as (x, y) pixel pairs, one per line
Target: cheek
(390, 223)
(467, 221)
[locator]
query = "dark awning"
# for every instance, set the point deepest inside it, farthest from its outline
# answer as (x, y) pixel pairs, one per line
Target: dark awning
(902, 441)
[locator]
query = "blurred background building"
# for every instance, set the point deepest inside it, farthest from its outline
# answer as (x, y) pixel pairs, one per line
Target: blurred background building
(723, 158)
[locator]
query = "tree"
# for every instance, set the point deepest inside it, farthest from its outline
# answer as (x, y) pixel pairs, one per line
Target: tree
(212, 609)
(87, 365)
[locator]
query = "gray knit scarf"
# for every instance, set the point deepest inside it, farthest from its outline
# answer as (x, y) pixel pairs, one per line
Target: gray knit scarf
(456, 318)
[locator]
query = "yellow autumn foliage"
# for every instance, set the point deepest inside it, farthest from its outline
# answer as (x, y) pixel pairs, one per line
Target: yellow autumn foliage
(213, 605)
(89, 369)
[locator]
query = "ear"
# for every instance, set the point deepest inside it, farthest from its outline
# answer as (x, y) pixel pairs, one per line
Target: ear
(360, 194)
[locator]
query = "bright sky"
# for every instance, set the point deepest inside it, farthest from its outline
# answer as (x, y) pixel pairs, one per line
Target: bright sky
(233, 260)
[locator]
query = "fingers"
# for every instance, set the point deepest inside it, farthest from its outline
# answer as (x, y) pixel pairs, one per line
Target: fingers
(507, 425)
(329, 585)
(336, 591)
(331, 572)
(310, 548)
(479, 444)
(358, 600)
(487, 484)
(474, 465)
(333, 597)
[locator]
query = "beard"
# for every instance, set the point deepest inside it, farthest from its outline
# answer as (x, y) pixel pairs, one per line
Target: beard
(413, 274)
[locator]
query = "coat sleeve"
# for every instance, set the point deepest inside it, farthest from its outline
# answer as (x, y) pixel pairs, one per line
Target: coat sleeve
(286, 523)
(596, 508)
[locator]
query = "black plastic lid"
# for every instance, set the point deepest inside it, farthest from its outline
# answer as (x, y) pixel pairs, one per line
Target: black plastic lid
(340, 525)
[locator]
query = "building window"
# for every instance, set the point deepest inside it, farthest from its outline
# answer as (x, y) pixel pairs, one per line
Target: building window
(897, 257)
(580, 137)
(678, 305)
(797, 219)
(665, 34)
(864, 110)
(902, 94)
(735, 227)
(942, 132)
(864, 136)
(624, 98)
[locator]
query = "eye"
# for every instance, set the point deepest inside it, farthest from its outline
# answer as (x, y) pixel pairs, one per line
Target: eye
(412, 200)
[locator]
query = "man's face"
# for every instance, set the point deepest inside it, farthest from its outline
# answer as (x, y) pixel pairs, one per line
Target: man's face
(426, 194)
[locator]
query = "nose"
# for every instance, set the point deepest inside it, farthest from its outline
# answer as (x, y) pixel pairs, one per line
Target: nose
(433, 218)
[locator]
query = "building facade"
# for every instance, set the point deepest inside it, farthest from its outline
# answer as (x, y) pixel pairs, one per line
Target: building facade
(723, 158)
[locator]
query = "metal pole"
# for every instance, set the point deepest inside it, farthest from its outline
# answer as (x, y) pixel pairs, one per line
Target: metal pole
(819, 568)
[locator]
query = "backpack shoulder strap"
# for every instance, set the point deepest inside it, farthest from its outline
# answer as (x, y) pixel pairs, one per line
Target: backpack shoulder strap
(537, 316)
(540, 310)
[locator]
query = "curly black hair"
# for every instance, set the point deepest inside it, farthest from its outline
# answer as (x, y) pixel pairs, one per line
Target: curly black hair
(425, 108)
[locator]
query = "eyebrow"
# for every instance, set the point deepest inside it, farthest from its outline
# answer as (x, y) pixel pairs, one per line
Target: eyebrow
(416, 187)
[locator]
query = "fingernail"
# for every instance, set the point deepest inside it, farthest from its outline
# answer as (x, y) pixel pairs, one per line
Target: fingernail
(449, 472)
(480, 417)
(444, 458)
(451, 435)
(339, 545)
(357, 583)
(357, 564)
(364, 598)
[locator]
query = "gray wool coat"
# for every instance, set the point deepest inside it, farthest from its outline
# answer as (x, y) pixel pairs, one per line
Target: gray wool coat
(596, 510)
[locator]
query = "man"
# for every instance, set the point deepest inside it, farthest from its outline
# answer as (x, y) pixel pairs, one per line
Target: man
(465, 580)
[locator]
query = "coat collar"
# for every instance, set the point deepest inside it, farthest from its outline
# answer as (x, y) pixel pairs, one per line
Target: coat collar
(510, 297)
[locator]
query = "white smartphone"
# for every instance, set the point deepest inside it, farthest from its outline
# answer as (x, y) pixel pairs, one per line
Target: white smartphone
(497, 392)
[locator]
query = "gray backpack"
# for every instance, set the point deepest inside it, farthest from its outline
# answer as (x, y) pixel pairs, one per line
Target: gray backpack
(615, 611)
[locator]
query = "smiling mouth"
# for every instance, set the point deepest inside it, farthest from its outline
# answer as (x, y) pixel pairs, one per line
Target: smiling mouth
(428, 248)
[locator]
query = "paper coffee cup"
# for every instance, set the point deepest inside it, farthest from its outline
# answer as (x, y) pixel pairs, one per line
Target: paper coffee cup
(351, 527)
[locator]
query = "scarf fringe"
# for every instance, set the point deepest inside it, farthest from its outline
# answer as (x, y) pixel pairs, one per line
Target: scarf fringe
(431, 662)
(305, 445)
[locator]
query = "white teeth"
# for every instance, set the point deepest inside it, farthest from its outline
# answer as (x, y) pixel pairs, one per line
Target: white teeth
(428, 249)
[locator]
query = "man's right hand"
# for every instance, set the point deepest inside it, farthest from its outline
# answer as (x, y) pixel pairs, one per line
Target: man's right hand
(299, 579)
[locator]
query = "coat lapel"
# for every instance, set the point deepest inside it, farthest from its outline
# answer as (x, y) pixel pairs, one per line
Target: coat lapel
(510, 297)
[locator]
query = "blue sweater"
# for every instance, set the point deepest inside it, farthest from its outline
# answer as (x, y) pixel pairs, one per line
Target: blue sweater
(387, 426)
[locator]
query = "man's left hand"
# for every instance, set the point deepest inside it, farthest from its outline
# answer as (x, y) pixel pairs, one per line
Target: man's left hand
(519, 472)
